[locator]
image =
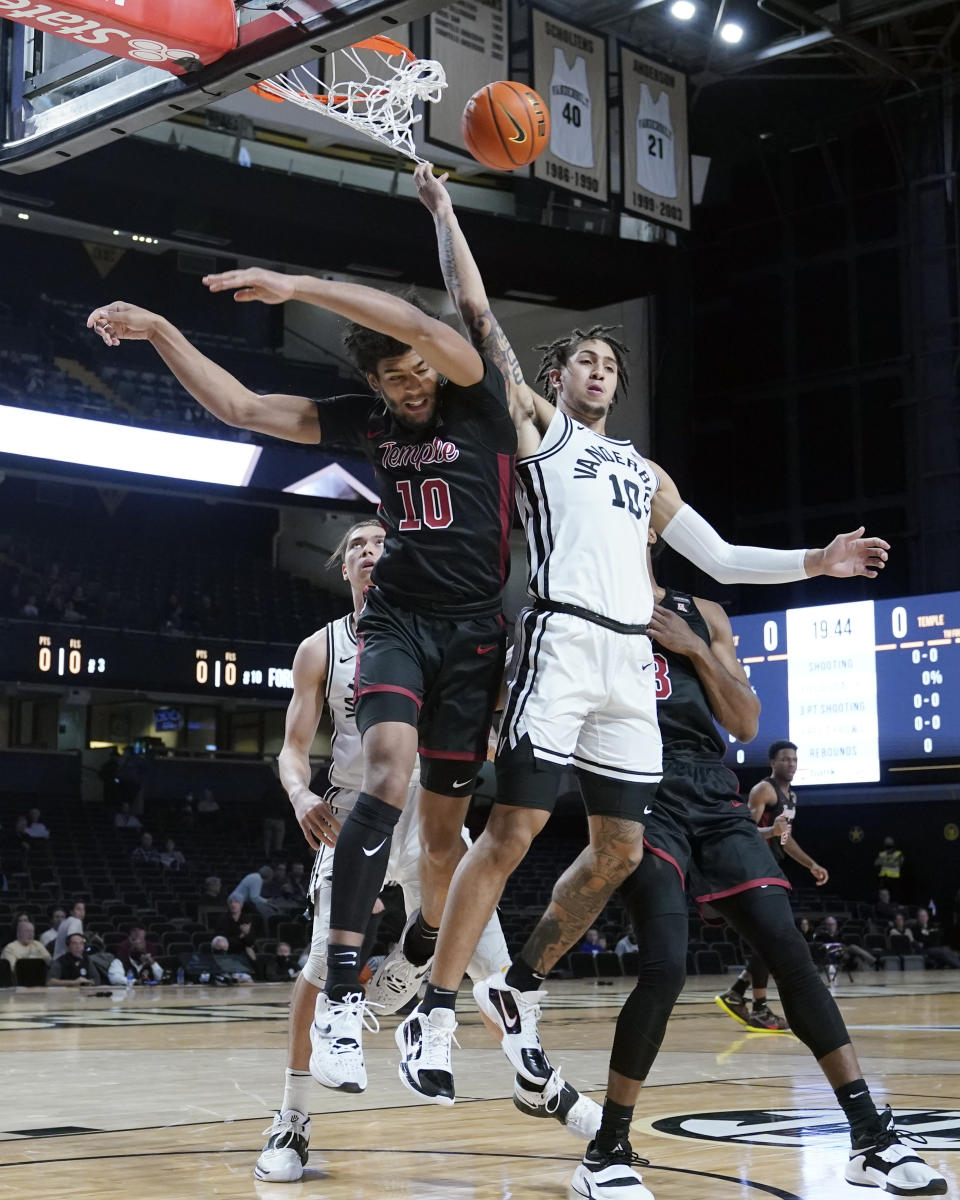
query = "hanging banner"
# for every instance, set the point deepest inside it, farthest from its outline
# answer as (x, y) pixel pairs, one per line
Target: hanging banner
(655, 151)
(471, 38)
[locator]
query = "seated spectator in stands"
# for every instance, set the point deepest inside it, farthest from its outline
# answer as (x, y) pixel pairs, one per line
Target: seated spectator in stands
(106, 962)
(25, 945)
(297, 884)
(805, 929)
(126, 818)
(228, 963)
(850, 957)
(70, 925)
(138, 955)
(593, 943)
(30, 609)
(884, 909)
(283, 965)
(35, 828)
(73, 969)
(73, 610)
(249, 891)
(237, 927)
(172, 858)
(627, 944)
(171, 615)
(928, 942)
(49, 936)
(900, 938)
(145, 855)
(207, 807)
(213, 891)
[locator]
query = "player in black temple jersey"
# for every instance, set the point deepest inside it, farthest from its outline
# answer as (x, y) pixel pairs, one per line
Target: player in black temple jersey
(700, 832)
(439, 435)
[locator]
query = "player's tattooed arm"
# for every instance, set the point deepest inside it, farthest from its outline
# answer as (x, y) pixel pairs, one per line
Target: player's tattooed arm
(582, 891)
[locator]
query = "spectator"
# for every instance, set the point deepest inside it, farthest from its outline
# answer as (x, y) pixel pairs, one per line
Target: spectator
(35, 828)
(237, 927)
(249, 891)
(70, 925)
(297, 884)
(172, 858)
(207, 807)
(848, 956)
(274, 806)
(884, 909)
(49, 936)
(30, 609)
(928, 942)
(24, 946)
(805, 929)
(627, 944)
(593, 943)
(144, 855)
(213, 892)
(900, 938)
(284, 965)
(126, 818)
(889, 862)
(72, 969)
(229, 964)
(139, 956)
(106, 962)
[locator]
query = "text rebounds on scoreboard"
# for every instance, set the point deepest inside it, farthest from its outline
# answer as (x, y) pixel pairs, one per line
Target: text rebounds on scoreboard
(472, 40)
(855, 685)
(570, 73)
(655, 152)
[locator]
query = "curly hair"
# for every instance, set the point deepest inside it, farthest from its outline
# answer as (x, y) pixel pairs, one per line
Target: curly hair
(366, 347)
(557, 354)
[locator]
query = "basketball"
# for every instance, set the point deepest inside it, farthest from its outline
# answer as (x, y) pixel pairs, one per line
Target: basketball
(505, 125)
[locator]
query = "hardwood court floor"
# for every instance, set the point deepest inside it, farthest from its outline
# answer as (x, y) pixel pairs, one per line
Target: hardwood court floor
(166, 1092)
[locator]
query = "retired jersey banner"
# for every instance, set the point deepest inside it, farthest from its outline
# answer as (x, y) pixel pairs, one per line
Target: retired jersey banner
(472, 40)
(178, 35)
(656, 152)
(570, 73)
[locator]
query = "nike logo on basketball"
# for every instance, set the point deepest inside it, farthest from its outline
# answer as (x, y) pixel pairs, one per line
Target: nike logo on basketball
(371, 853)
(486, 649)
(521, 135)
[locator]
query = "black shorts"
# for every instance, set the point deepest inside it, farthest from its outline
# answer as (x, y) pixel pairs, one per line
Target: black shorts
(439, 673)
(702, 826)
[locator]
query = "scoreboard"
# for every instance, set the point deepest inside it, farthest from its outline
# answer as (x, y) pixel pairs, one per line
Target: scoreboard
(855, 685)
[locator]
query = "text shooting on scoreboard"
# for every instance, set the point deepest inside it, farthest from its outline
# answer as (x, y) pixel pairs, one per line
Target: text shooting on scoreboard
(858, 687)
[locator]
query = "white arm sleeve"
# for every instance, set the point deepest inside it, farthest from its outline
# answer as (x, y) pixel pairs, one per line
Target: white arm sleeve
(696, 539)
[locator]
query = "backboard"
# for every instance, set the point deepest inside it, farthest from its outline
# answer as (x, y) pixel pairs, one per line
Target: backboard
(59, 98)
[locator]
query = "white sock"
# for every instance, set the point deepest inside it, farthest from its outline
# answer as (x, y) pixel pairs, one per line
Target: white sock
(296, 1092)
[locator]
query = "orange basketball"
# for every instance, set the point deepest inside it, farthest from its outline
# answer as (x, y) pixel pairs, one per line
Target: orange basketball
(506, 125)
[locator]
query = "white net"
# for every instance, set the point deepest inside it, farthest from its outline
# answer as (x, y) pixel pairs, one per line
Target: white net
(372, 88)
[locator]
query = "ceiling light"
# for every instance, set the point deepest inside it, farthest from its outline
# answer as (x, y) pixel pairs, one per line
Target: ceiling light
(731, 32)
(24, 216)
(683, 10)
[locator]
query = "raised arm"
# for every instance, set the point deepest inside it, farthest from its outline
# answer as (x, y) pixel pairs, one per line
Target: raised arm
(732, 700)
(689, 534)
(437, 344)
(315, 816)
(461, 275)
(291, 417)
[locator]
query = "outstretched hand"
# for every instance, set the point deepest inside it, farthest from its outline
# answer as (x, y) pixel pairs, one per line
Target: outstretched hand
(852, 554)
(430, 190)
(253, 283)
(121, 322)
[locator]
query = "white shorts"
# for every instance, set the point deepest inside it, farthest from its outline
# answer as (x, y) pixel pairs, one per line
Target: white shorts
(491, 954)
(585, 696)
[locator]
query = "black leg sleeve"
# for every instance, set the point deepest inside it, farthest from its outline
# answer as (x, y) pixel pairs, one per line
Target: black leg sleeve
(762, 917)
(655, 900)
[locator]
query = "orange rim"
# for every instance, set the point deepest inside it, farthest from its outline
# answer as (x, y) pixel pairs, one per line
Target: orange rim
(379, 42)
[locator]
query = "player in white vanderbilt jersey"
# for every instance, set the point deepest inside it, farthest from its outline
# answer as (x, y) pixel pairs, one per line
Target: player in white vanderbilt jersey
(324, 670)
(656, 160)
(571, 124)
(581, 687)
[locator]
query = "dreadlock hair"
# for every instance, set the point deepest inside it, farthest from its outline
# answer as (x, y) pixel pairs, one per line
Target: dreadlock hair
(340, 550)
(556, 355)
(366, 347)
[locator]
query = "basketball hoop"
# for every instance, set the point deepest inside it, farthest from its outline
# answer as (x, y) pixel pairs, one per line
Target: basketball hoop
(372, 92)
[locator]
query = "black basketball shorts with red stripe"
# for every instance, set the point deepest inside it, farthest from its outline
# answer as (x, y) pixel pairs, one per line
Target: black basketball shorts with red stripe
(439, 671)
